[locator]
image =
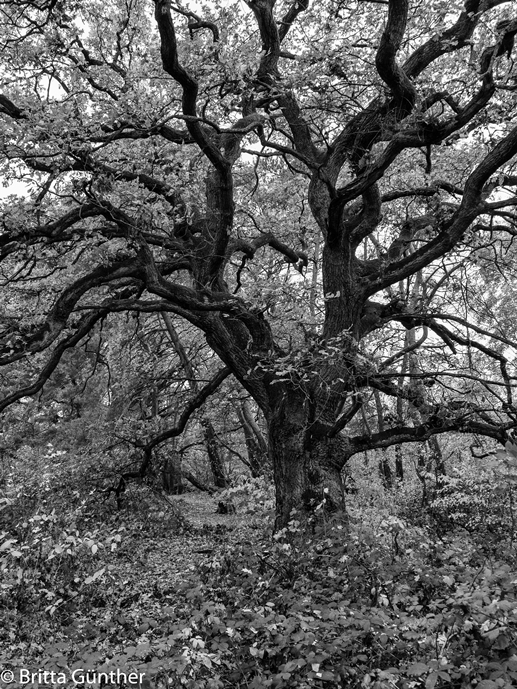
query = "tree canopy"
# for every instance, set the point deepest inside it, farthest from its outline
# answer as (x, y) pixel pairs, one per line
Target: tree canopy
(325, 191)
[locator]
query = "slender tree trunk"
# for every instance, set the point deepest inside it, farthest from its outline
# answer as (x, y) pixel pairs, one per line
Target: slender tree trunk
(384, 465)
(212, 449)
(214, 455)
(437, 456)
(399, 463)
(386, 472)
(256, 445)
(172, 479)
(256, 460)
(197, 483)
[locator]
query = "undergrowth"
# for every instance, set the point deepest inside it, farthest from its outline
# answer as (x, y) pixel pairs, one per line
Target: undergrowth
(394, 602)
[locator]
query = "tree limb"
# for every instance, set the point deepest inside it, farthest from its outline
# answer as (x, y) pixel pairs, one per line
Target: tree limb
(195, 403)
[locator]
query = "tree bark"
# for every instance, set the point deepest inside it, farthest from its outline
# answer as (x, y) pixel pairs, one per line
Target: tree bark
(306, 468)
(386, 472)
(214, 456)
(256, 446)
(437, 457)
(197, 483)
(399, 463)
(172, 479)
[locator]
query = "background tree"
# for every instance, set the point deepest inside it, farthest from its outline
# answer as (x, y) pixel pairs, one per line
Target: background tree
(302, 184)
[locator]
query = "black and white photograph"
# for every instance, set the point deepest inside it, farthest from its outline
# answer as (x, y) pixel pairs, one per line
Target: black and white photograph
(258, 344)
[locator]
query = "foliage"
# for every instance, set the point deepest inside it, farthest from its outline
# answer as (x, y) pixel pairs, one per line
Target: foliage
(478, 499)
(384, 604)
(361, 614)
(251, 497)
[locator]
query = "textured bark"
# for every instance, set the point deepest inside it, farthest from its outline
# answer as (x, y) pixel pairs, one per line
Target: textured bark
(399, 463)
(214, 456)
(306, 468)
(384, 465)
(256, 445)
(386, 472)
(437, 457)
(197, 483)
(172, 479)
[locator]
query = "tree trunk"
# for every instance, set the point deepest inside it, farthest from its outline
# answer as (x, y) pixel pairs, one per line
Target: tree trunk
(437, 457)
(212, 449)
(306, 468)
(214, 456)
(399, 463)
(172, 479)
(386, 472)
(256, 446)
(256, 459)
(197, 483)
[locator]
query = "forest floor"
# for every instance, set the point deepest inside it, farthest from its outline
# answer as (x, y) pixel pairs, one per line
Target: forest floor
(200, 509)
(167, 558)
(161, 550)
(168, 587)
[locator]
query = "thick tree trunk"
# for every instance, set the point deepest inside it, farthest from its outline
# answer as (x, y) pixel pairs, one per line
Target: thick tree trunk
(306, 468)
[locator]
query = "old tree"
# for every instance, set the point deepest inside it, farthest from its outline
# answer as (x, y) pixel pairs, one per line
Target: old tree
(325, 191)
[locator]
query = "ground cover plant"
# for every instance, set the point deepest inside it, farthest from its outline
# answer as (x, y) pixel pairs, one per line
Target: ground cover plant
(168, 589)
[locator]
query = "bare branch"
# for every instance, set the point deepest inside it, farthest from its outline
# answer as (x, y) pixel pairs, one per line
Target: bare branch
(171, 64)
(83, 328)
(195, 403)
(290, 16)
(403, 90)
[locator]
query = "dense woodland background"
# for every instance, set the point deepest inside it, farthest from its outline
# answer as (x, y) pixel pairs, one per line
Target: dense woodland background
(257, 341)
